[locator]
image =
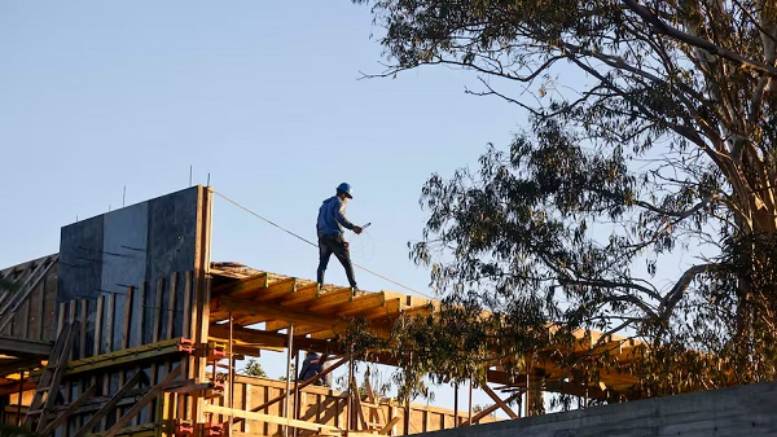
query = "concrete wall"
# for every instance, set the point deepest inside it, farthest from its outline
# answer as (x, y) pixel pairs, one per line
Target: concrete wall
(739, 411)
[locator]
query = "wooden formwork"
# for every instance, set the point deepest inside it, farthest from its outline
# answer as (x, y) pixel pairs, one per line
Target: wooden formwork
(322, 405)
(141, 359)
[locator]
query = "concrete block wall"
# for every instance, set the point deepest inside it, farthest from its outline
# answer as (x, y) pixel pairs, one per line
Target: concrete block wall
(738, 411)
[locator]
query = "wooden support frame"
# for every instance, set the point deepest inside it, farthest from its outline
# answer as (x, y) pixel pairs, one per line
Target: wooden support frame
(285, 422)
(69, 410)
(499, 402)
(108, 406)
(485, 412)
(272, 311)
(125, 356)
(150, 395)
(300, 386)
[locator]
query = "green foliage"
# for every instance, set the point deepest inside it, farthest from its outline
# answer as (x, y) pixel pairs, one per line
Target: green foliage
(254, 368)
(667, 144)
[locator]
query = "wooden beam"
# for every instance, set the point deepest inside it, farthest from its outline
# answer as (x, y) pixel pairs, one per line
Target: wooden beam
(110, 405)
(277, 289)
(259, 417)
(20, 347)
(364, 303)
(152, 393)
(301, 385)
(301, 295)
(69, 410)
(499, 402)
(391, 308)
(276, 312)
(243, 287)
(331, 300)
(123, 357)
(489, 410)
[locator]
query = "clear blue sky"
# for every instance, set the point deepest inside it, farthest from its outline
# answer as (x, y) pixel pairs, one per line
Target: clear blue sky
(264, 96)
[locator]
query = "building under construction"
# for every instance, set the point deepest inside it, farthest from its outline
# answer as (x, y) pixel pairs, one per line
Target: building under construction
(132, 329)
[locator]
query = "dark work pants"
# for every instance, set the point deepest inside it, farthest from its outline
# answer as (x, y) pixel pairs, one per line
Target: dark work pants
(334, 244)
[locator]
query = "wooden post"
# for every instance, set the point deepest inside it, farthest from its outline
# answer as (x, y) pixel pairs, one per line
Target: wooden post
(289, 348)
(230, 374)
(349, 392)
(455, 405)
(19, 406)
(297, 394)
(527, 397)
(469, 404)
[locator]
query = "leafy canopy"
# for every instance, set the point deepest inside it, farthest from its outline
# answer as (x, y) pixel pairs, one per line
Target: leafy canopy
(653, 130)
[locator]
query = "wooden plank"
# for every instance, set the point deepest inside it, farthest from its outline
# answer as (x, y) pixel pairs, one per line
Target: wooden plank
(150, 395)
(127, 318)
(390, 309)
(259, 417)
(109, 405)
(187, 302)
(330, 301)
(356, 401)
(138, 317)
(300, 386)
(304, 293)
(107, 331)
(24, 348)
(69, 410)
(364, 303)
(509, 411)
(98, 324)
(58, 371)
(486, 411)
(60, 317)
(276, 289)
(248, 287)
(83, 320)
(123, 357)
(247, 308)
(28, 286)
(157, 310)
(171, 291)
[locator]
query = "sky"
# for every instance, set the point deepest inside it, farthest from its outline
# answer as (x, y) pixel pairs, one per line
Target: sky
(266, 98)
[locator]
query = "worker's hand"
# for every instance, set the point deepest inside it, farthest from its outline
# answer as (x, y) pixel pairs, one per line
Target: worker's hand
(357, 229)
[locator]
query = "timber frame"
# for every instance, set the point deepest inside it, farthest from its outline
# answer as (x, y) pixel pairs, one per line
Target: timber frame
(159, 358)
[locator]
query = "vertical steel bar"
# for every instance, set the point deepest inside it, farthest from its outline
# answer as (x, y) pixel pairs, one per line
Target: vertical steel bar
(297, 394)
(231, 373)
(289, 348)
(349, 391)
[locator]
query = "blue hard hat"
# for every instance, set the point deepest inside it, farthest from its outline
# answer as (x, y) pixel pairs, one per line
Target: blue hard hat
(345, 188)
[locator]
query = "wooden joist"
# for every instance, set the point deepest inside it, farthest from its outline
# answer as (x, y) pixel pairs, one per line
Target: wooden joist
(245, 308)
(267, 418)
(141, 403)
(122, 357)
(499, 402)
(21, 347)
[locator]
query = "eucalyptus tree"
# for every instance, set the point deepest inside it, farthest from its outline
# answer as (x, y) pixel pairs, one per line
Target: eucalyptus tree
(653, 131)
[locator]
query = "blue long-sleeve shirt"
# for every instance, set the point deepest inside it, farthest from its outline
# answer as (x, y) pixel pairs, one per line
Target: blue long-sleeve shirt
(331, 220)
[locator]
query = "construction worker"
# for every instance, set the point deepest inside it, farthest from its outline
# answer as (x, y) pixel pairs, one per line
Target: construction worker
(331, 222)
(314, 365)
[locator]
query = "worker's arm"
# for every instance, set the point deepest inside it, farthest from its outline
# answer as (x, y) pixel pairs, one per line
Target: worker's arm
(344, 221)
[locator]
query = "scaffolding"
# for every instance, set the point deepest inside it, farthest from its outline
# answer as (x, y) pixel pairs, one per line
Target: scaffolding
(158, 357)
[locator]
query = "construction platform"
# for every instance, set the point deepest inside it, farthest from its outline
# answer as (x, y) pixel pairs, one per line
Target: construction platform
(132, 330)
